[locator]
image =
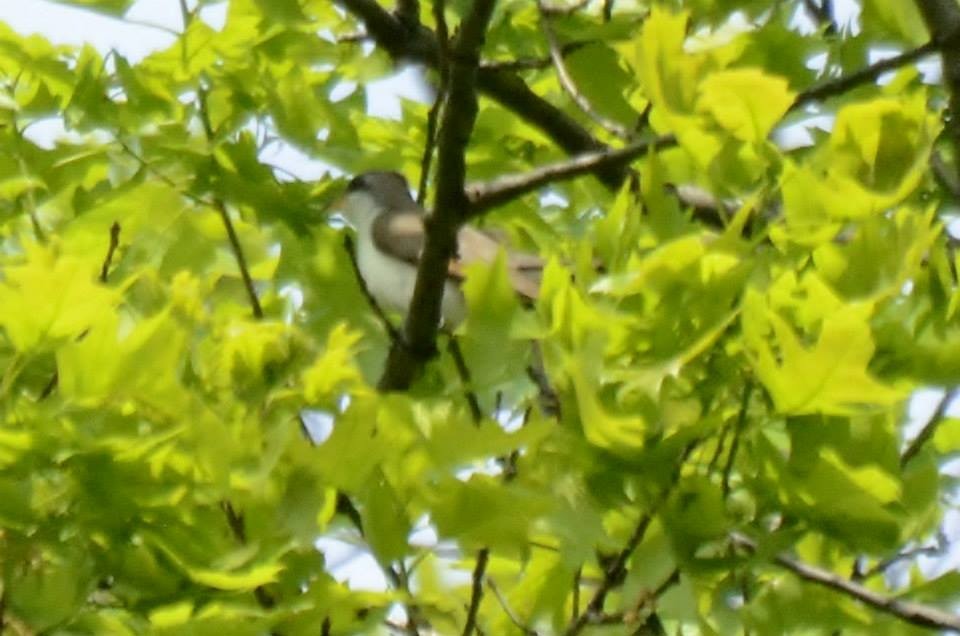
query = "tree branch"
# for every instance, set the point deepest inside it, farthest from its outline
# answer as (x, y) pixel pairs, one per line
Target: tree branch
(439, 16)
(566, 80)
(908, 611)
(943, 21)
(111, 248)
(613, 574)
(530, 63)
(221, 208)
(476, 593)
(840, 85)
(392, 332)
(483, 196)
(238, 530)
(608, 10)
(450, 202)
(928, 430)
(737, 431)
(465, 378)
(527, 631)
(505, 87)
(947, 179)
(408, 12)
(882, 566)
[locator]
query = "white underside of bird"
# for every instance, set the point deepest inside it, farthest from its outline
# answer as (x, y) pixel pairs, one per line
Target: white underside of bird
(389, 280)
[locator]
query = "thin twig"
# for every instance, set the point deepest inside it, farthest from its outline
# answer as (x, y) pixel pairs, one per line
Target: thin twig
(823, 14)
(483, 196)
(615, 570)
(439, 16)
(453, 346)
(737, 432)
(185, 14)
(509, 611)
(840, 85)
(938, 415)
(221, 208)
(111, 248)
(476, 593)
(238, 528)
(944, 175)
(885, 564)
(392, 332)
(532, 63)
(235, 246)
(908, 611)
(146, 165)
(567, 83)
(54, 380)
(537, 372)
(575, 610)
(3, 606)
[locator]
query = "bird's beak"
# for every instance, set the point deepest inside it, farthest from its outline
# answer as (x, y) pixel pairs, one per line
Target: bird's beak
(337, 212)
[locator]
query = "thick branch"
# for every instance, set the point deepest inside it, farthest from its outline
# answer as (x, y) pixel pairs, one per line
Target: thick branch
(504, 86)
(408, 12)
(483, 196)
(456, 124)
(910, 612)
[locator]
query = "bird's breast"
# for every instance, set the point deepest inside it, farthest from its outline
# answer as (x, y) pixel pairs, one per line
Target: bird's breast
(391, 282)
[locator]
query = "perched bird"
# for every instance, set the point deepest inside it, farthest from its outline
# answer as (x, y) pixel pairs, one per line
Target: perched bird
(390, 238)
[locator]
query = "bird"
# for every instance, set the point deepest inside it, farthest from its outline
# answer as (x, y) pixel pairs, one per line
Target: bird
(390, 232)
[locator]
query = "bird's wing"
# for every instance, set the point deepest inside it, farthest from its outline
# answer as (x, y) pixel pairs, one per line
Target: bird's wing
(401, 234)
(476, 246)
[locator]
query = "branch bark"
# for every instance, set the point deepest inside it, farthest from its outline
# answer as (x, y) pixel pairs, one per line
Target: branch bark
(450, 203)
(908, 611)
(840, 85)
(928, 430)
(483, 196)
(504, 86)
(566, 80)
(613, 574)
(943, 21)
(476, 594)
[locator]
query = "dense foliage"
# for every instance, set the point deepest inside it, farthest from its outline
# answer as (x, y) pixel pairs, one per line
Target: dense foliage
(721, 446)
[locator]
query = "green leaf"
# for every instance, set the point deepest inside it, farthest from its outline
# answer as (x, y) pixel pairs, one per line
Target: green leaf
(113, 7)
(56, 298)
(829, 375)
(484, 513)
(746, 102)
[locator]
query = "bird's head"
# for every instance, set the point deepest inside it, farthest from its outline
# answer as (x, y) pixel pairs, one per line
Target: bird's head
(373, 193)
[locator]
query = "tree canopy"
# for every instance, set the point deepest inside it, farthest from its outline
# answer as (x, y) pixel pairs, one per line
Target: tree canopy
(701, 426)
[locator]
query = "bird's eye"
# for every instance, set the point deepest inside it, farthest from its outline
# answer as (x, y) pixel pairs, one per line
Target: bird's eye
(357, 183)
